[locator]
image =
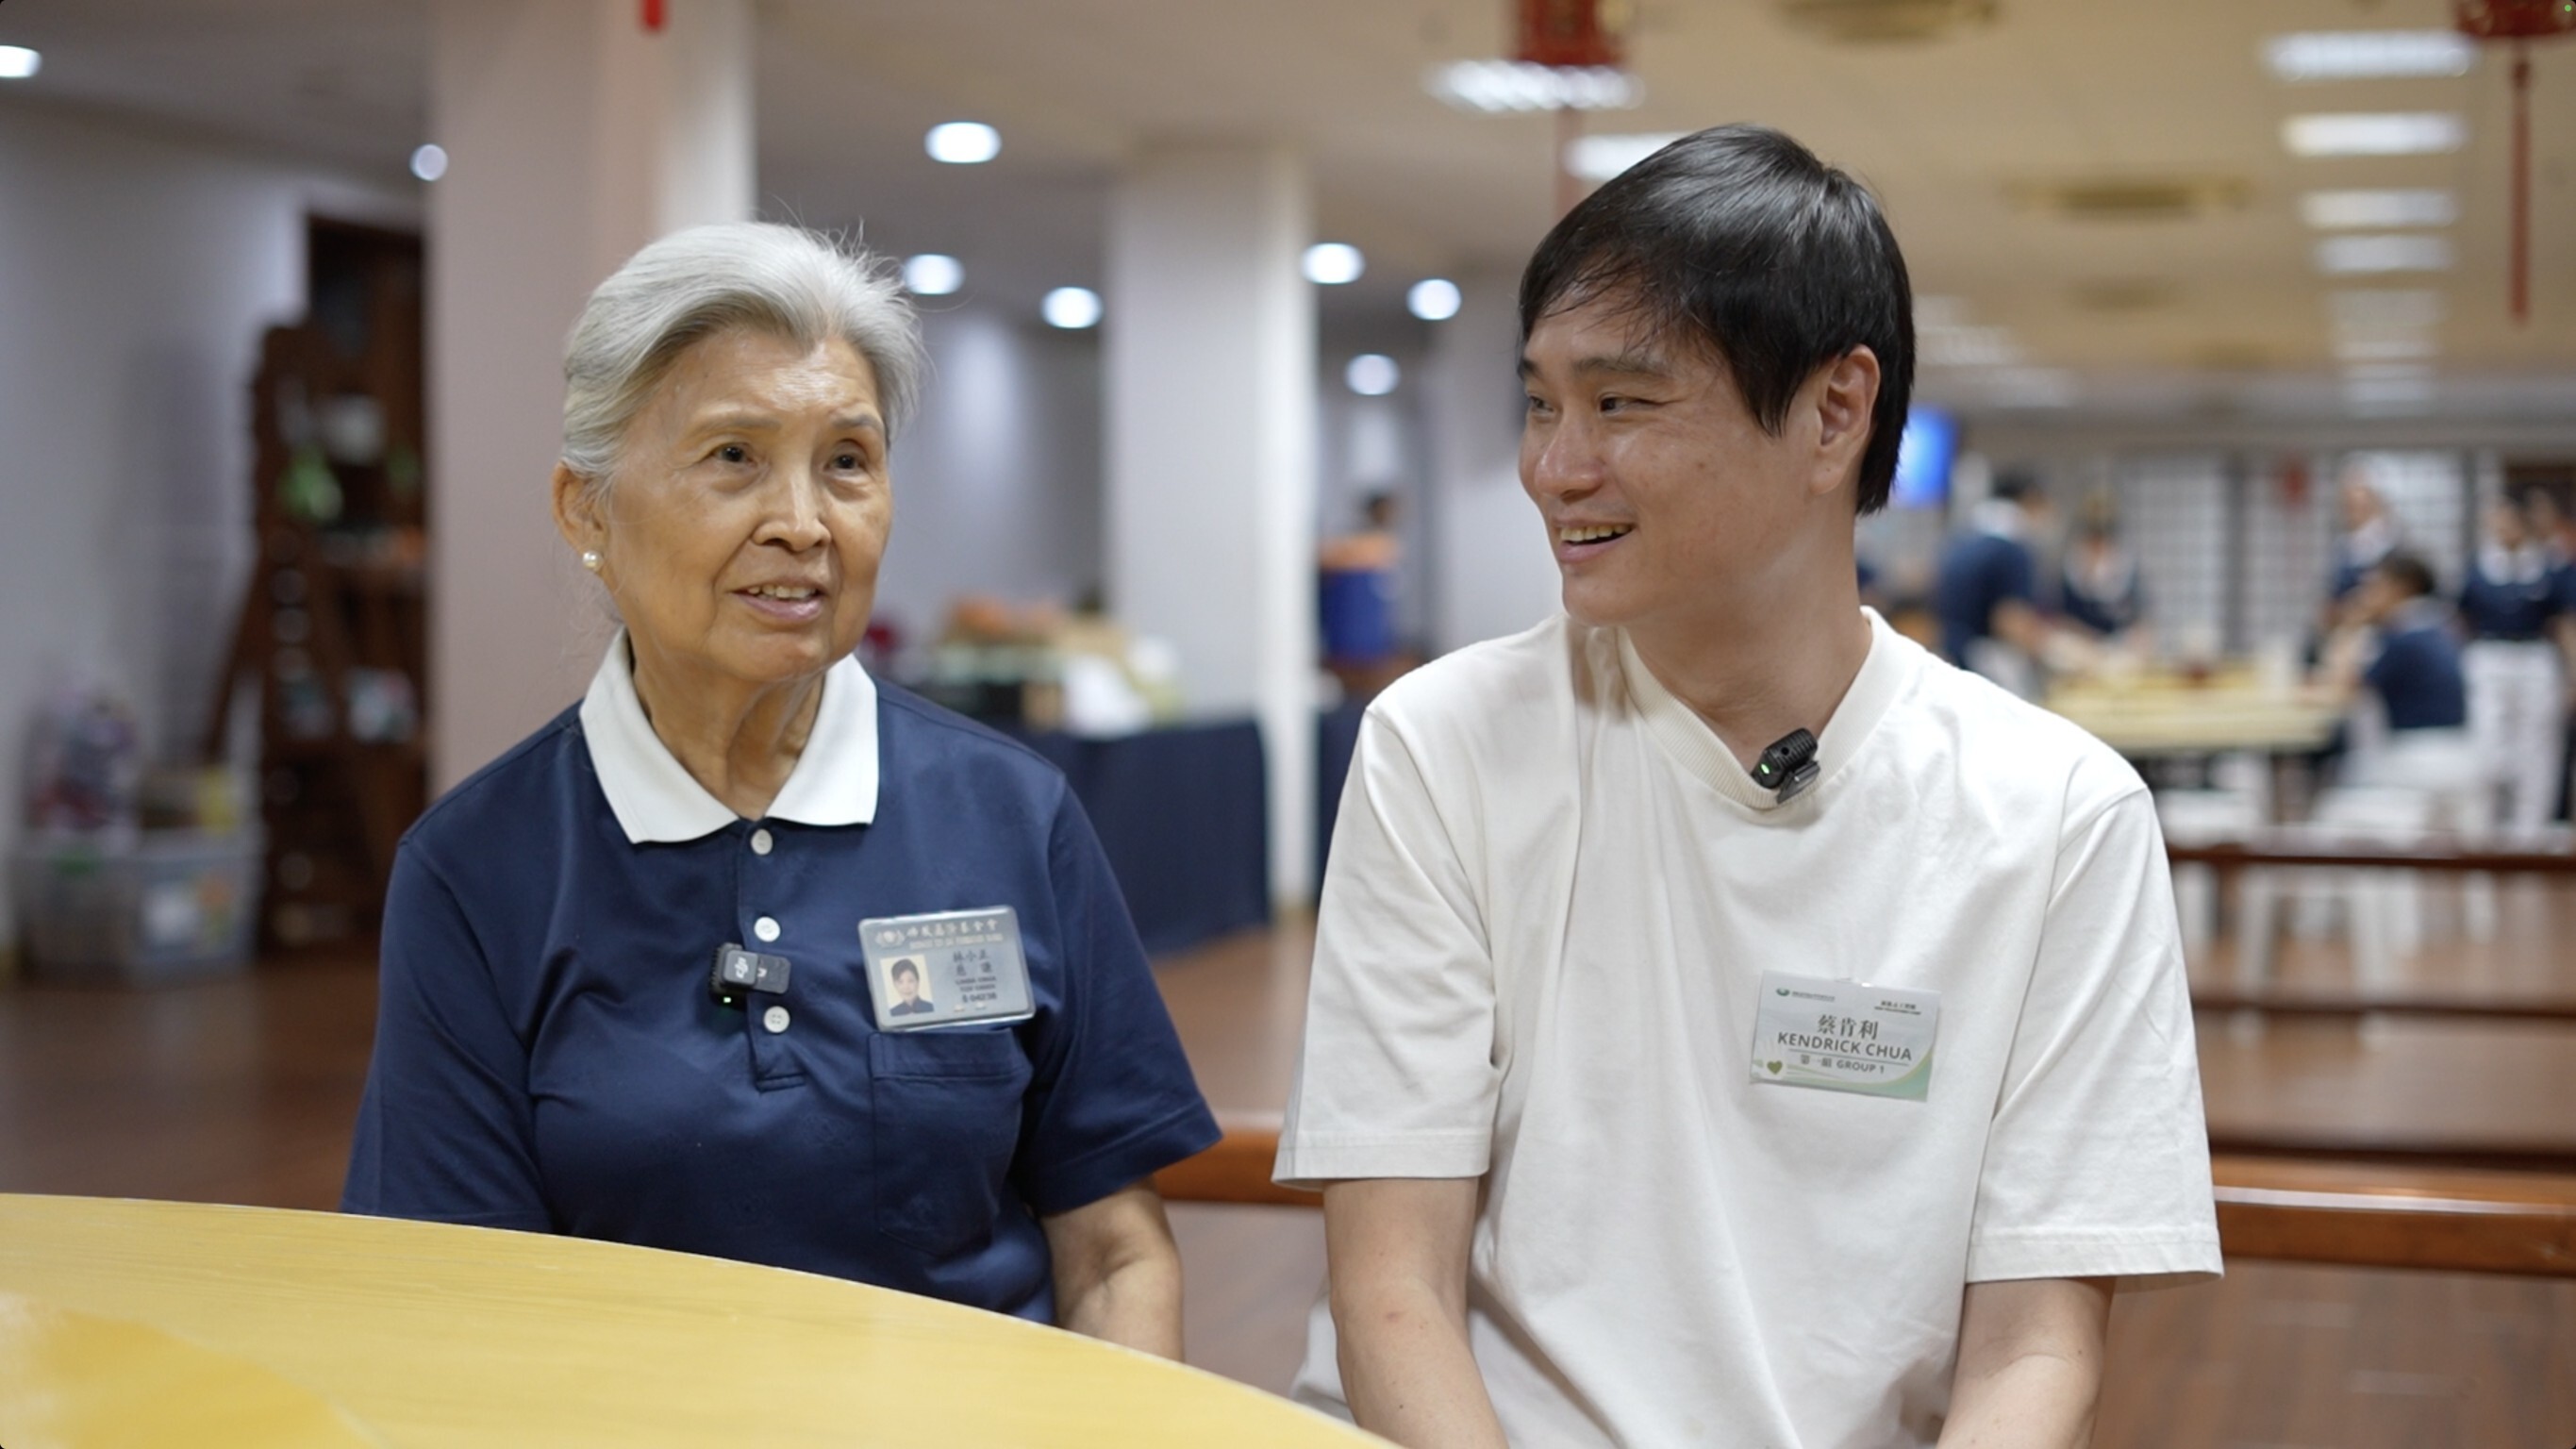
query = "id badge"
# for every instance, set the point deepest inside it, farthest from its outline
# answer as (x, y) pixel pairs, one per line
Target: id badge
(1845, 1036)
(946, 968)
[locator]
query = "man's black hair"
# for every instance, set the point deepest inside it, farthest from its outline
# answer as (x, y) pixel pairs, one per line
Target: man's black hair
(1740, 239)
(2013, 486)
(2408, 572)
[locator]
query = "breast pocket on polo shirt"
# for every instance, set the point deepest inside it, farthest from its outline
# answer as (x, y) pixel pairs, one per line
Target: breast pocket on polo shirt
(945, 1109)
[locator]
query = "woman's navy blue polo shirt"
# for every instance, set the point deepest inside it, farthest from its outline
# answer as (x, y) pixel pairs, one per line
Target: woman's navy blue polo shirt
(548, 1056)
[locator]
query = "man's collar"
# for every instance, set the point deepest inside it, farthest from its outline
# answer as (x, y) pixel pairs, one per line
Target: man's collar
(656, 799)
(1885, 674)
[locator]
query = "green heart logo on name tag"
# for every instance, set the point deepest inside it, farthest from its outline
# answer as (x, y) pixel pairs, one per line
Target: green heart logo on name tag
(1774, 1066)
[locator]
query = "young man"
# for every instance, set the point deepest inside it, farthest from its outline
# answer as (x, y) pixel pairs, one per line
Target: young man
(1986, 592)
(1660, 1091)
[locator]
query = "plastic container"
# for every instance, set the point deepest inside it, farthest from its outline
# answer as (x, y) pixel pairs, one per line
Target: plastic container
(138, 909)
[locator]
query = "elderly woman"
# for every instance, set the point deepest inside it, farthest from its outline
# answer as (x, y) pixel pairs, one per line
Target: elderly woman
(639, 973)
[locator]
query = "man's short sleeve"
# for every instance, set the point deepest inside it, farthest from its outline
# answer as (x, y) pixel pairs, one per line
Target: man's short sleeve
(1398, 1077)
(2016, 577)
(2098, 1161)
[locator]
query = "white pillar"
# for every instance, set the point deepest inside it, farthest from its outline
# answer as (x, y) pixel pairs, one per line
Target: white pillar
(1210, 508)
(1492, 571)
(574, 136)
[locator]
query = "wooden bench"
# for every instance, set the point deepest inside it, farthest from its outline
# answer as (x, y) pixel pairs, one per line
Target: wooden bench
(2353, 1214)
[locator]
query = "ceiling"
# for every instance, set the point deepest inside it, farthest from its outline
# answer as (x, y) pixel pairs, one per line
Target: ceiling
(2219, 313)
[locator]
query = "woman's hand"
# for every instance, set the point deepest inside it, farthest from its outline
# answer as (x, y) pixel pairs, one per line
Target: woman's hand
(1118, 1272)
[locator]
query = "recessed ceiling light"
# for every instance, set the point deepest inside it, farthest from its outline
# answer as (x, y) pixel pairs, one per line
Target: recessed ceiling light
(1514, 85)
(2336, 210)
(1071, 308)
(932, 274)
(1433, 299)
(2321, 55)
(1330, 264)
(17, 62)
(2383, 252)
(2365, 133)
(429, 162)
(963, 143)
(1372, 374)
(1598, 158)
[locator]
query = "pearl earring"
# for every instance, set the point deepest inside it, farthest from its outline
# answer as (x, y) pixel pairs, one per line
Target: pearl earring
(590, 559)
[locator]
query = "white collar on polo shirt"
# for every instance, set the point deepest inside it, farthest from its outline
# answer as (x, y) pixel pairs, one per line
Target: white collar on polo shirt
(1883, 677)
(656, 799)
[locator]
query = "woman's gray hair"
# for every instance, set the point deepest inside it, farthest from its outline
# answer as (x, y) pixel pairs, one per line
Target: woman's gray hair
(693, 284)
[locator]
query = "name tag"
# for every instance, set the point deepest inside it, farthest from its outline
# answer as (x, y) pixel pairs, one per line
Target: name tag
(1845, 1036)
(946, 968)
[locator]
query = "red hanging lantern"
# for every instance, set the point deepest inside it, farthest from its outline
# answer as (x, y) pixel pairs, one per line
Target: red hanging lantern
(653, 16)
(1570, 32)
(2519, 22)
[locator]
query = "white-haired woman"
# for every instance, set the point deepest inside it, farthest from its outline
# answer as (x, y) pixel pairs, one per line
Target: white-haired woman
(639, 973)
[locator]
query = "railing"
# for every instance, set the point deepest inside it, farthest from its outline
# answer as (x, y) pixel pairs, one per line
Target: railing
(2352, 1214)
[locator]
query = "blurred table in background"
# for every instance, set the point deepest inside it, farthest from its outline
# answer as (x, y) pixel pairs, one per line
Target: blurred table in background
(2167, 713)
(1183, 813)
(154, 1323)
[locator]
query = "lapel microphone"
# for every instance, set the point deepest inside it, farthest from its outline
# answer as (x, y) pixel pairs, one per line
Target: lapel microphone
(1788, 767)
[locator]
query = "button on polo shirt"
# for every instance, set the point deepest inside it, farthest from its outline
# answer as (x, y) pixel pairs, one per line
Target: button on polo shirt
(548, 1056)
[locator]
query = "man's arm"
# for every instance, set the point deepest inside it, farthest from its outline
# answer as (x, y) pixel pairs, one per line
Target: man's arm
(2030, 1364)
(1118, 1272)
(1397, 1249)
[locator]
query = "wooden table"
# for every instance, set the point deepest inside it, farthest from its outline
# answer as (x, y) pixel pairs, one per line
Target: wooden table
(2164, 714)
(150, 1323)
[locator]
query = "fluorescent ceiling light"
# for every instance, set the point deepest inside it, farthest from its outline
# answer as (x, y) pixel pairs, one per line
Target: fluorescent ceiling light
(1072, 308)
(1433, 299)
(2383, 252)
(2393, 393)
(1514, 85)
(2034, 387)
(2391, 348)
(2381, 309)
(933, 275)
(1953, 346)
(429, 162)
(1598, 158)
(1372, 374)
(1330, 264)
(1939, 310)
(2366, 133)
(2388, 372)
(17, 62)
(2337, 210)
(963, 143)
(2322, 55)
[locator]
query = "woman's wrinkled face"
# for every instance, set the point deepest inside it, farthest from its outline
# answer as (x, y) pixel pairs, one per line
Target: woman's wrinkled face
(741, 530)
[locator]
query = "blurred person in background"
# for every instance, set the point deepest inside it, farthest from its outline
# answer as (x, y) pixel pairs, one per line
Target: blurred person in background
(551, 1053)
(2509, 605)
(2399, 650)
(2554, 525)
(2100, 588)
(1986, 592)
(2369, 534)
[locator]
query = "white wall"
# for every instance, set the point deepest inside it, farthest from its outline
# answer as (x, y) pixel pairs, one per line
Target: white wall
(138, 268)
(997, 482)
(1493, 574)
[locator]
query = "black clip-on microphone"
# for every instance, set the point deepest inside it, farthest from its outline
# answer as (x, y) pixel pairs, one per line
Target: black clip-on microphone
(1788, 767)
(737, 972)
